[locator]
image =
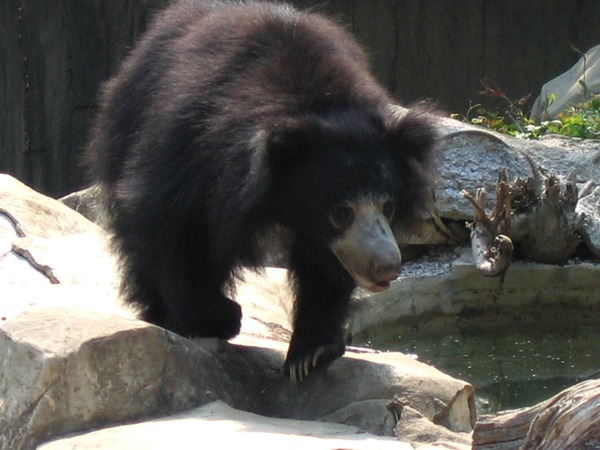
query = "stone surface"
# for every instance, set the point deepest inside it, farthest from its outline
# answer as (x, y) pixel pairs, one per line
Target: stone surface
(44, 242)
(85, 203)
(470, 159)
(226, 428)
(68, 369)
(589, 207)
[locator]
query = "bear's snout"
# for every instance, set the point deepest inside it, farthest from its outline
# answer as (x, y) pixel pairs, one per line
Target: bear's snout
(369, 252)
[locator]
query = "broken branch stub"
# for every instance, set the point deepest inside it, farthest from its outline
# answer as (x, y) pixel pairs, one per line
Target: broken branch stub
(492, 249)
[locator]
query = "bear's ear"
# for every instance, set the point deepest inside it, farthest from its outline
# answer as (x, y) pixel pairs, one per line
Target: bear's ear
(413, 136)
(287, 147)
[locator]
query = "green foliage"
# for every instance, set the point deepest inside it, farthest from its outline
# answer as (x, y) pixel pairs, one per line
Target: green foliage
(582, 121)
(578, 121)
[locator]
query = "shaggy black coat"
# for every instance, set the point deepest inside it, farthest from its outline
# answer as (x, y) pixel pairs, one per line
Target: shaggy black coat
(228, 119)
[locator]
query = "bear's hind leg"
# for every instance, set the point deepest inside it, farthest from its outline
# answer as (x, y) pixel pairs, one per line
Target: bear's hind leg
(204, 313)
(191, 281)
(178, 291)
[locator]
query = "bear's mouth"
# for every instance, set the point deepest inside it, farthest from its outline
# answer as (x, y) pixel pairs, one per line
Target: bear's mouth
(371, 285)
(366, 283)
(380, 286)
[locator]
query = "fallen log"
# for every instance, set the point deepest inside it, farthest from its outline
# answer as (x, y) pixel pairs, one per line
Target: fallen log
(568, 421)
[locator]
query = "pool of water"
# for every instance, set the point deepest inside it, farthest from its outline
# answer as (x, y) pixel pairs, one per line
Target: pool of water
(511, 365)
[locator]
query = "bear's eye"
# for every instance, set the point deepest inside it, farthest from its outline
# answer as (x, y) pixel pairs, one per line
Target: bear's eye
(388, 208)
(342, 217)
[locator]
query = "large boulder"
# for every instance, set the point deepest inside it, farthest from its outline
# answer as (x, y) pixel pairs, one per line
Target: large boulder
(66, 369)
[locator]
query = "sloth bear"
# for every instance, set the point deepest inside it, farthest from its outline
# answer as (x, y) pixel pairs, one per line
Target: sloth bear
(230, 119)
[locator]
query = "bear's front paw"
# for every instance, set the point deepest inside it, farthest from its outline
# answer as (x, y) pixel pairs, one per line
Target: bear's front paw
(298, 367)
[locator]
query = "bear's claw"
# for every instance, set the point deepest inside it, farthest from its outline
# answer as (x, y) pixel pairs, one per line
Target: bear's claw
(298, 370)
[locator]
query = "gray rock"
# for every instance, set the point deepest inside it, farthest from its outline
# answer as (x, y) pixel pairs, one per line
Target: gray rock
(470, 158)
(589, 207)
(66, 369)
(86, 203)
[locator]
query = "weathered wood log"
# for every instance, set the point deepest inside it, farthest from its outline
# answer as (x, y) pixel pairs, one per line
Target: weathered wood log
(537, 214)
(569, 420)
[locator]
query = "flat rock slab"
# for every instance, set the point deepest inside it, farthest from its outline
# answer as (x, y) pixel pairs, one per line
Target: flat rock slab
(218, 425)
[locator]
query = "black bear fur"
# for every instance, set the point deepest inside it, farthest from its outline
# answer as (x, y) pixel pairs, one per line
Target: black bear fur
(229, 118)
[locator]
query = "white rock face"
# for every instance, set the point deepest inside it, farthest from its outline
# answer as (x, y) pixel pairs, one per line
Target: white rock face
(45, 244)
(218, 425)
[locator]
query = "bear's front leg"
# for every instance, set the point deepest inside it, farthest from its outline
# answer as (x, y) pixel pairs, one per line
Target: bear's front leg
(323, 290)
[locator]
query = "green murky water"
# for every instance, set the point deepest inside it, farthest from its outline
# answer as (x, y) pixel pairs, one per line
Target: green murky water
(510, 365)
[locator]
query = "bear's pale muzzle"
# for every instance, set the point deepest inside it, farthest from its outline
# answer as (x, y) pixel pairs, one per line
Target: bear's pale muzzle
(369, 251)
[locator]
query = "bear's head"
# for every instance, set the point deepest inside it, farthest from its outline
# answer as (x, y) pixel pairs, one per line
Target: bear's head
(347, 179)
